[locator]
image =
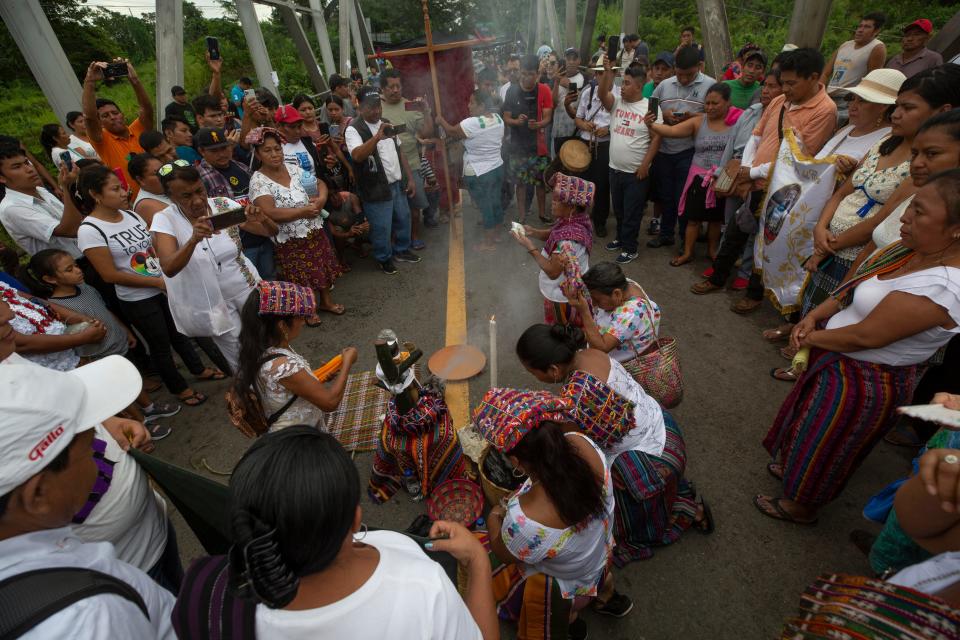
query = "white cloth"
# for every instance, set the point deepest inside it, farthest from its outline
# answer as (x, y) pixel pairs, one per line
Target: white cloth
(843, 144)
(576, 556)
(550, 288)
(295, 154)
(289, 197)
(99, 616)
(408, 596)
(483, 144)
(208, 293)
(888, 231)
(629, 135)
(31, 221)
(562, 124)
(939, 284)
(274, 395)
(591, 109)
(650, 433)
(25, 315)
(57, 152)
(931, 576)
(131, 247)
(143, 194)
(76, 144)
(386, 149)
(130, 514)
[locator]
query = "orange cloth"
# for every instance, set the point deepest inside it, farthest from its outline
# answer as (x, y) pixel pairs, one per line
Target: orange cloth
(813, 122)
(116, 152)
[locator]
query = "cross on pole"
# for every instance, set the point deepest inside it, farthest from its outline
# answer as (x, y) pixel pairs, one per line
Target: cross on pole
(436, 98)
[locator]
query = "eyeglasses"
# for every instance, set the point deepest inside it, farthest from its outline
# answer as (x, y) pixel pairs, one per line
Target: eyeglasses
(166, 169)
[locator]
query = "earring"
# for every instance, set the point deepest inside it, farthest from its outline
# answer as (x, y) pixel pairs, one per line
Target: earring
(518, 472)
(362, 534)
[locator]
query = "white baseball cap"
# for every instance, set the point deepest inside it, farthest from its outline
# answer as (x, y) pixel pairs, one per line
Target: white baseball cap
(41, 410)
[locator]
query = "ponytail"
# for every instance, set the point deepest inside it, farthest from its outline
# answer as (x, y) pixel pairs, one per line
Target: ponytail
(42, 264)
(543, 345)
(546, 454)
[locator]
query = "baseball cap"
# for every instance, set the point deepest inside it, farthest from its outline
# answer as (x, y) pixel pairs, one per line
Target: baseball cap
(177, 90)
(755, 53)
(922, 24)
(632, 38)
(287, 114)
(41, 410)
(369, 94)
(665, 57)
(210, 138)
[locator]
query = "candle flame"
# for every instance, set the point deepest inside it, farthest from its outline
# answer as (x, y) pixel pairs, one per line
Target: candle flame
(493, 318)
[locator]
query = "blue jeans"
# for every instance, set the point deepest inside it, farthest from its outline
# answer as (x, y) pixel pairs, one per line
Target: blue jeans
(629, 197)
(670, 171)
(485, 192)
(389, 217)
(262, 258)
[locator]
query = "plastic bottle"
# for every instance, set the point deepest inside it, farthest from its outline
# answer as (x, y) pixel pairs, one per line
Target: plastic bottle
(412, 484)
(480, 524)
(309, 183)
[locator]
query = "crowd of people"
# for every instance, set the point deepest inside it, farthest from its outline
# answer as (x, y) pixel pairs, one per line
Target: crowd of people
(224, 231)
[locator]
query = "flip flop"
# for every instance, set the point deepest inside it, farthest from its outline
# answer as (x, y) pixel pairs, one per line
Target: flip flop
(195, 399)
(705, 525)
(770, 469)
(314, 324)
(781, 513)
(776, 335)
(337, 309)
(784, 374)
(215, 374)
(679, 262)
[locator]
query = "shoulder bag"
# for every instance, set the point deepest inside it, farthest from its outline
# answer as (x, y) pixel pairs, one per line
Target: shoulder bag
(658, 371)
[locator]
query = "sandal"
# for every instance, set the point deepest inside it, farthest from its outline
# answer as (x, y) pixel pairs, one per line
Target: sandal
(779, 512)
(787, 353)
(337, 309)
(775, 469)
(195, 399)
(784, 374)
(705, 287)
(211, 374)
(679, 261)
(314, 321)
(744, 306)
(705, 524)
(780, 333)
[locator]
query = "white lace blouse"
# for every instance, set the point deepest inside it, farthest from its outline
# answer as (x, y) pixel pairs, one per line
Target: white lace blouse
(274, 395)
(286, 198)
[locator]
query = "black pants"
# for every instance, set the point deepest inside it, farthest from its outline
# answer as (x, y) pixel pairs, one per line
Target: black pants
(599, 174)
(152, 319)
(941, 377)
(734, 241)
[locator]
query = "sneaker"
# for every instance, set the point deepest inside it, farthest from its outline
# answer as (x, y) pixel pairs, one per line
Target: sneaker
(660, 241)
(626, 258)
(613, 246)
(617, 606)
(161, 410)
(406, 256)
(158, 431)
(577, 630)
(388, 267)
(739, 284)
(708, 272)
(653, 229)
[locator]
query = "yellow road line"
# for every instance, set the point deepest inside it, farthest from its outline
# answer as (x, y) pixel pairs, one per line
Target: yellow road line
(458, 393)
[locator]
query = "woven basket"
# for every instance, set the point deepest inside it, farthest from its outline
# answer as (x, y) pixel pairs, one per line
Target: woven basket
(658, 372)
(456, 500)
(493, 492)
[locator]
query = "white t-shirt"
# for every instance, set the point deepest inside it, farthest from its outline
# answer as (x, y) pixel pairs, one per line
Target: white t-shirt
(551, 288)
(295, 153)
(130, 514)
(940, 284)
(482, 145)
(99, 616)
(131, 248)
(31, 221)
(143, 194)
(650, 433)
(386, 149)
(563, 125)
(888, 231)
(76, 144)
(843, 144)
(56, 152)
(408, 596)
(629, 135)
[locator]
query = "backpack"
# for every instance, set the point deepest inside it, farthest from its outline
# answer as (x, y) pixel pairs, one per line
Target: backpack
(29, 598)
(254, 426)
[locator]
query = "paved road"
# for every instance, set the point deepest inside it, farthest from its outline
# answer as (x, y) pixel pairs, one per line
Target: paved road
(738, 583)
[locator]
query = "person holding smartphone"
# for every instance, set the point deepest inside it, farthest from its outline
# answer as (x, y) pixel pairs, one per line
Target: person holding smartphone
(566, 80)
(592, 121)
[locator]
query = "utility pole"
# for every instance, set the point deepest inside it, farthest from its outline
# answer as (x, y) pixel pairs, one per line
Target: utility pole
(255, 45)
(343, 15)
(538, 38)
(716, 34)
(631, 16)
(169, 48)
(808, 22)
(553, 27)
(586, 36)
(570, 22)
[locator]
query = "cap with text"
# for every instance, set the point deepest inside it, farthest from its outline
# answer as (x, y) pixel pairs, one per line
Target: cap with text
(41, 410)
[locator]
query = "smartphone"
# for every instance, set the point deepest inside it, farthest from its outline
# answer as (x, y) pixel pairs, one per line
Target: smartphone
(613, 47)
(653, 105)
(334, 131)
(67, 160)
(123, 180)
(229, 218)
(115, 70)
(574, 87)
(324, 129)
(213, 46)
(396, 129)
(413, 105)
(249, 94)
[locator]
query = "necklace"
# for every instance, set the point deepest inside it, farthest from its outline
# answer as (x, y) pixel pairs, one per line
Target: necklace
(925, 262)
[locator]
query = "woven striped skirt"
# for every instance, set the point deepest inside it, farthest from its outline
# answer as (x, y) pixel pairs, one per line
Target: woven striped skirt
(310, 261)
(561, 313)
(654, 503)
(837, 411)
(821, 283)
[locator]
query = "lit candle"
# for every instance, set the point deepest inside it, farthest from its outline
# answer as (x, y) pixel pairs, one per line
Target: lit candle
(493, 351)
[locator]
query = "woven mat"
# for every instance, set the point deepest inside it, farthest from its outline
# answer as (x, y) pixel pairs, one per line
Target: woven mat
(357, 421)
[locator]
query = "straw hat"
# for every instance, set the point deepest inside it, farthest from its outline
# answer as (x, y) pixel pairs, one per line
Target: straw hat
(880, 86)
(575, 156)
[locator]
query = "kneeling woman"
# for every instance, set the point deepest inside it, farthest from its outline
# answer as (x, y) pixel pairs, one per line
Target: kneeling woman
(642, 442)
(288, 390)
(566, 253)
(553, 538)
(304, 566)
